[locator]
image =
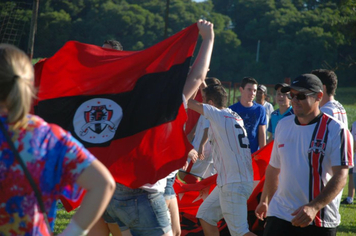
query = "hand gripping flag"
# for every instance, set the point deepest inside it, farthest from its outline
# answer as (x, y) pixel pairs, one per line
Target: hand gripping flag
(124, 106)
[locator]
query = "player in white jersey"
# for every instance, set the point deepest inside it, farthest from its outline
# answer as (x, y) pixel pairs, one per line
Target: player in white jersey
(330, 106)
(232, 161)
(308, 169)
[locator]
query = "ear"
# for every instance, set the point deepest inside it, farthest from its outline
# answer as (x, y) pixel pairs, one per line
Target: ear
(210, 102)
(319, 96)
(241, 89)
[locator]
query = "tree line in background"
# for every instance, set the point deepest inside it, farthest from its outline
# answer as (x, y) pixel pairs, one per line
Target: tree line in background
(294, 36)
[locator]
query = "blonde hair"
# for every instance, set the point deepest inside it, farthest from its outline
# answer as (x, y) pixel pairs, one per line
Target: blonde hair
(16, 82)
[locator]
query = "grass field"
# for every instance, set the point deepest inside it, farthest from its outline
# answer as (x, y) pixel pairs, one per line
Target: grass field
(347, 97)
(346, 228)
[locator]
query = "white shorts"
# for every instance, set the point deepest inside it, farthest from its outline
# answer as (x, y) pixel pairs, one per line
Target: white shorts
(228, 201)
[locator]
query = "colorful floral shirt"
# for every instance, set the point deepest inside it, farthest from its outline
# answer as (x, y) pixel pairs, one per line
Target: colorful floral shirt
(54, 159)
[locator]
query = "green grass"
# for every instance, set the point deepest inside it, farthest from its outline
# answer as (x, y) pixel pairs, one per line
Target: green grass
(348, 217)
(62, 220)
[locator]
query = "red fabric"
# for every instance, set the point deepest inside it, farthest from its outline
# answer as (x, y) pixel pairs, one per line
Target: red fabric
(190, 196)
(79, 69)
(260, 160)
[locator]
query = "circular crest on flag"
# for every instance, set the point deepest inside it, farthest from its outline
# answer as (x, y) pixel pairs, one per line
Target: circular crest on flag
(97, 119)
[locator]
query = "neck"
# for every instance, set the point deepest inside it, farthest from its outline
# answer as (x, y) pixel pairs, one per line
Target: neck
(306, 119)
(262, 101)
(246, 103)
(326, 99)
(283, 109)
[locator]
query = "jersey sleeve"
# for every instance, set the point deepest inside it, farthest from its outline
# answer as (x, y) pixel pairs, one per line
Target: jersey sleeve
(211, 113)
(342, 148)
(263, 120)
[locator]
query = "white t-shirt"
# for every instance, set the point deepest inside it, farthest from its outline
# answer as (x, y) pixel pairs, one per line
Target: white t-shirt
(336, 110)
(298, 183)
(230, 145)
(159, 186)
(269, 109)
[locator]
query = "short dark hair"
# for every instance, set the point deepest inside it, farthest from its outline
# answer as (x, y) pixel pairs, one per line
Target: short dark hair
(248, 80)
(328, 78)
(217, 94)
(114, 44)
(212, 81)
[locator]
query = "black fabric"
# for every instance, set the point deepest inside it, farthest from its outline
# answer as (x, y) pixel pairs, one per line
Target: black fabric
(279, 227)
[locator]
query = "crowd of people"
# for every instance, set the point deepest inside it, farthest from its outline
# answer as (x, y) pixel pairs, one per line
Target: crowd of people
(311, 159)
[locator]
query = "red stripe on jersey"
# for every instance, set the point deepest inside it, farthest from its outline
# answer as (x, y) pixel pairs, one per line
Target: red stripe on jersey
(316, 157)
(317, 219)
(316, 183)
(240, 119)
(322, 128)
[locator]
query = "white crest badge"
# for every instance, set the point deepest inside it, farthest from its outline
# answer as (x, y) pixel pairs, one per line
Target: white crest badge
(97, 119)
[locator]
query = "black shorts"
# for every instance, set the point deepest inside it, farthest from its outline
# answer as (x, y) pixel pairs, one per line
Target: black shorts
(278, 227)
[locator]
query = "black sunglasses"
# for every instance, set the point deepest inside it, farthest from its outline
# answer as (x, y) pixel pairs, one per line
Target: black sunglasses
(299, 96)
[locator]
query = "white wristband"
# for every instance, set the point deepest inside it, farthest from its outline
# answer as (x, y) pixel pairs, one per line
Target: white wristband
(74, 230)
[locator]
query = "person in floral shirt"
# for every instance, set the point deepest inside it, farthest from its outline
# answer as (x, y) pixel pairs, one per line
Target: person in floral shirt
(58, 163)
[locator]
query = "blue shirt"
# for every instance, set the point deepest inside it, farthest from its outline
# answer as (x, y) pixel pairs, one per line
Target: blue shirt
(276, 116)
(253, 117)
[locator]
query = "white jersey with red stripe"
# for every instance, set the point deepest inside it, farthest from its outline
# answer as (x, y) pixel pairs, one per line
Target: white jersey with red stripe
(230, 145)
(336, 110)
(306, 165)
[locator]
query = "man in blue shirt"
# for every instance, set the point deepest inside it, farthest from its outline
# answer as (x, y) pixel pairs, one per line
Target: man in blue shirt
(252, 113)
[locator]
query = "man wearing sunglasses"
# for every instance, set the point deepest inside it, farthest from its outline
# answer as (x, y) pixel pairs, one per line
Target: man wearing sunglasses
(311, 155)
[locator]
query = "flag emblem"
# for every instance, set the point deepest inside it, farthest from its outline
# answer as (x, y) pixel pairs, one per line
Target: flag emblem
(95, 120)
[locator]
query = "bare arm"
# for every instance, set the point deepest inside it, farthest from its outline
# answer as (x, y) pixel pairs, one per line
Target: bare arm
(196, 106)
(261, 136)
(269, 188)
(203, 141)
(201, 64)
(304, 215)
(100, 186)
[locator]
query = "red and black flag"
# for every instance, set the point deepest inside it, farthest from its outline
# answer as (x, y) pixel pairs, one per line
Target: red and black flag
(124, 106)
